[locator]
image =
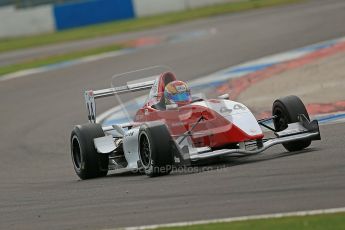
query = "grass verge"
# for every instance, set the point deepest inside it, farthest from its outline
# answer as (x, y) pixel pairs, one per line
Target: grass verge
(134, 24)
(314, 222)
(39, 62)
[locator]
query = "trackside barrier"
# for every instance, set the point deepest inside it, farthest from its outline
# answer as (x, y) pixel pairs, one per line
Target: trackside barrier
(51, 17)
(71, 15)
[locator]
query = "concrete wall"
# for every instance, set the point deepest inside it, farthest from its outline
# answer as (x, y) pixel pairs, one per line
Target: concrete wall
(200, 3)
(151, 7)
(17, 22)
(144, 8)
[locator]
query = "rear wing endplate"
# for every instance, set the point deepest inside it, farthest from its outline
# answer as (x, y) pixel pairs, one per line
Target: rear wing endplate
(91, 95)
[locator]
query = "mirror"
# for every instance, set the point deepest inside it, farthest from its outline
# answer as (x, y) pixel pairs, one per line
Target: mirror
(224, 96)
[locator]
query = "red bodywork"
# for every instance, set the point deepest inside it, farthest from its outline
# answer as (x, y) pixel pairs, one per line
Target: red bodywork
(213, 131)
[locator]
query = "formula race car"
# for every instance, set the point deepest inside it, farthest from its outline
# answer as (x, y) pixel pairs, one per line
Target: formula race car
(159, 136)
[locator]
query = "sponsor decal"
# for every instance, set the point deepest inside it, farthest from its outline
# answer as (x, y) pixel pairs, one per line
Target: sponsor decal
(239, 107)
(129, 134)
(181, 88)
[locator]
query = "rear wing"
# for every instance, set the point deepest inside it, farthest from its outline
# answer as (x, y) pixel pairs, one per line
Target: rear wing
(91, 95)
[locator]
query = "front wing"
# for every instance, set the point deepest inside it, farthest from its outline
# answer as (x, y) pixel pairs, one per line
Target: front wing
(299, 131)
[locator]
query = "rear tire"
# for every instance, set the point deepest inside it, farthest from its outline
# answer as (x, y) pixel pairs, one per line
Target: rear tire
(155, 150)
(87, 162)
(287, 110)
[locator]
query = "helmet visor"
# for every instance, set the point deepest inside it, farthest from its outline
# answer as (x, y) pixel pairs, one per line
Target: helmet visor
(181, 97)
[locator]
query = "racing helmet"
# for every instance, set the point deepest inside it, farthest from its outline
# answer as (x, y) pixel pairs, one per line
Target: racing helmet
(177, 92)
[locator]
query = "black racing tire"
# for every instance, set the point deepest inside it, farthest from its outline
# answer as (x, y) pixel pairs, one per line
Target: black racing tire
(287, 110)
(87, 162)
(155, 151)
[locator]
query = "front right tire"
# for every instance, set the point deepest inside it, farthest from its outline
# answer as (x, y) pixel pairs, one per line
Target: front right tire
(286, 110)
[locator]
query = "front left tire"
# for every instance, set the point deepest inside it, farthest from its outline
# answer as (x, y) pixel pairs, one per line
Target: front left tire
(155, 149)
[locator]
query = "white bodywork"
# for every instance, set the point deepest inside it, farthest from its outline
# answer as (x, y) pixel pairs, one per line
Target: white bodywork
(236, 113)
(104, 144)
(131, 148)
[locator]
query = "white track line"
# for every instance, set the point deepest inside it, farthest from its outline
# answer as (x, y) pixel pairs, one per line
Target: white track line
(64, 64)
(183, 36)
(278, 57)
(242, 218)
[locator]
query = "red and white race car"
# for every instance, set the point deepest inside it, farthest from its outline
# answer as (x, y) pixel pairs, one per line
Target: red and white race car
(161, 137)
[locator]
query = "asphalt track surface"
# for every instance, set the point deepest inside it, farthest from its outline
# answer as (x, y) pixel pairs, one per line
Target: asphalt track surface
(39, 189)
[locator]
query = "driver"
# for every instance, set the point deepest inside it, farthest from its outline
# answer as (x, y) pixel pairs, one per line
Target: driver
(177, 92)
